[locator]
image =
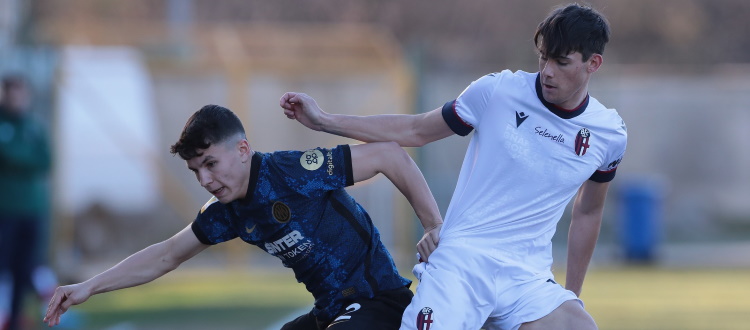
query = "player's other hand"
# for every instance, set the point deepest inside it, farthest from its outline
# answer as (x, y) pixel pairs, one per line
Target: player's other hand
(64, 297)
(303, 108)
(429, 242)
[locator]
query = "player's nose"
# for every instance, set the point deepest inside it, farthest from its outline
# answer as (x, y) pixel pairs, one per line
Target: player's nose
(547, 70)
(204, 179)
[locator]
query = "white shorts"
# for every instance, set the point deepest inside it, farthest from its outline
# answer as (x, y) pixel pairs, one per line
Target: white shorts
(463, 287)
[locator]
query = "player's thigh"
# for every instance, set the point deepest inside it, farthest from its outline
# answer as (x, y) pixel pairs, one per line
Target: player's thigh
(570, 315)
(380, 313)
(445, 300)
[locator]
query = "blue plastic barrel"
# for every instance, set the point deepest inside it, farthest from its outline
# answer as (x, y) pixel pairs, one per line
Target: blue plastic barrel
(641, 219)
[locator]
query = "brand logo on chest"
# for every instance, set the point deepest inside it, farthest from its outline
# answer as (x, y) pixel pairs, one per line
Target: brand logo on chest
(520, 118)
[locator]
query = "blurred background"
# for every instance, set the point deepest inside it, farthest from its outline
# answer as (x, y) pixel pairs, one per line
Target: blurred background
(115, 81)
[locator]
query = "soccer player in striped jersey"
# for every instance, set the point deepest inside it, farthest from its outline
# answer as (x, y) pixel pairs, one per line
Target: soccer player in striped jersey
(540, 140)
(293, 205)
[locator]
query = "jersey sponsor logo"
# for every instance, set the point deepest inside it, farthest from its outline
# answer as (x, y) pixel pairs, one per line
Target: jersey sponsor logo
(298, 253)
(281, 212)
(582, 141)
(329, 162)
(311, 160)
(250, 230)
(291, 248)
(210, 201)
(285, 243)
(425, 319)
(520, 117)
(559, 138)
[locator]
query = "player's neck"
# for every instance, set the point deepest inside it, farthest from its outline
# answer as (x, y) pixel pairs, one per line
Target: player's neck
(573, 105)
(246, 178)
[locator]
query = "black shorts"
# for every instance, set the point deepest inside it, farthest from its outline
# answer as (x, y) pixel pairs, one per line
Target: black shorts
(383, 312)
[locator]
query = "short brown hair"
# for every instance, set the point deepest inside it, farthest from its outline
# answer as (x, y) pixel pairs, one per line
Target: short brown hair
(210, 125)
(572, 28)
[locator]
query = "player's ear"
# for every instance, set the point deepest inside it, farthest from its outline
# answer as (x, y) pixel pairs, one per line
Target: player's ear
(594, 63)
(243, 147)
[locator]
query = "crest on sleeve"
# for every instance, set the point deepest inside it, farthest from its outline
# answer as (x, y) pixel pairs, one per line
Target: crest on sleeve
(312, 159)
(210, 201)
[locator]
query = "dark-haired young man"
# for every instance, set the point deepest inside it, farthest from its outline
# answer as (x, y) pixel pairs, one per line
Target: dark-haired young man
(539, 141)
(293, 205)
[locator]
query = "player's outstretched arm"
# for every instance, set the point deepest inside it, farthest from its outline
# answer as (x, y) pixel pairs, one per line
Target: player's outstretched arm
(142, 267)
(406, 130)
(391, 160)
(585, 223)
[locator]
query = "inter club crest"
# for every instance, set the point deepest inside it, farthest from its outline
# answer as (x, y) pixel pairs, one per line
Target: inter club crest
(582, 141)
(425, 319)
(281, 212)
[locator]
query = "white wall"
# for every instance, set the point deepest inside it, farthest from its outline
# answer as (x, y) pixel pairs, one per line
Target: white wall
(106, 131)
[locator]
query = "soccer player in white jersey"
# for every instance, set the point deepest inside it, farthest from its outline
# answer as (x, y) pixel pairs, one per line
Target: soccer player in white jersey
(539, 141)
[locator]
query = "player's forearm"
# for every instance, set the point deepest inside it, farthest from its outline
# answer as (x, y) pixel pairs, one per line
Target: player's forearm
(584, 232)
(407, 177)
(376, 128)
(141, 267)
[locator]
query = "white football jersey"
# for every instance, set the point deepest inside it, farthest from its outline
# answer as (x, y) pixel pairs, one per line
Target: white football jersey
(526, 160)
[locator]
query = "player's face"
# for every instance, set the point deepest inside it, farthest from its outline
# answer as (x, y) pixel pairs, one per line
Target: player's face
(565, 79)
(223, 169)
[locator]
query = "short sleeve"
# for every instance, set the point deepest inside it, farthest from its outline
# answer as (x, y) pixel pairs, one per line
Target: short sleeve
(465, 113)
(315, 171)
(454, 121)
(615, 154)
(213, 223)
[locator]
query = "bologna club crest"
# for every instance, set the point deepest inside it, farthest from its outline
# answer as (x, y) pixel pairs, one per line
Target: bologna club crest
(424, 319)
(582, 141)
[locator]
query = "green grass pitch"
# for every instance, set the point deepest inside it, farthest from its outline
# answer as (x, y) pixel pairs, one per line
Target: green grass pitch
(618, 298)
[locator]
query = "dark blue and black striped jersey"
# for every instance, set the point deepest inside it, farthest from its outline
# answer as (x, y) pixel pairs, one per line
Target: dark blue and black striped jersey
(297, 209)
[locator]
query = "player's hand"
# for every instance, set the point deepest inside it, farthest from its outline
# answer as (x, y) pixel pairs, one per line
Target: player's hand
(429, 242)
(64, 297)
(303, 108)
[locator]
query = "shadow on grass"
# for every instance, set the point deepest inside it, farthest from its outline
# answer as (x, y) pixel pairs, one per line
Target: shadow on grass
(188, 318)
